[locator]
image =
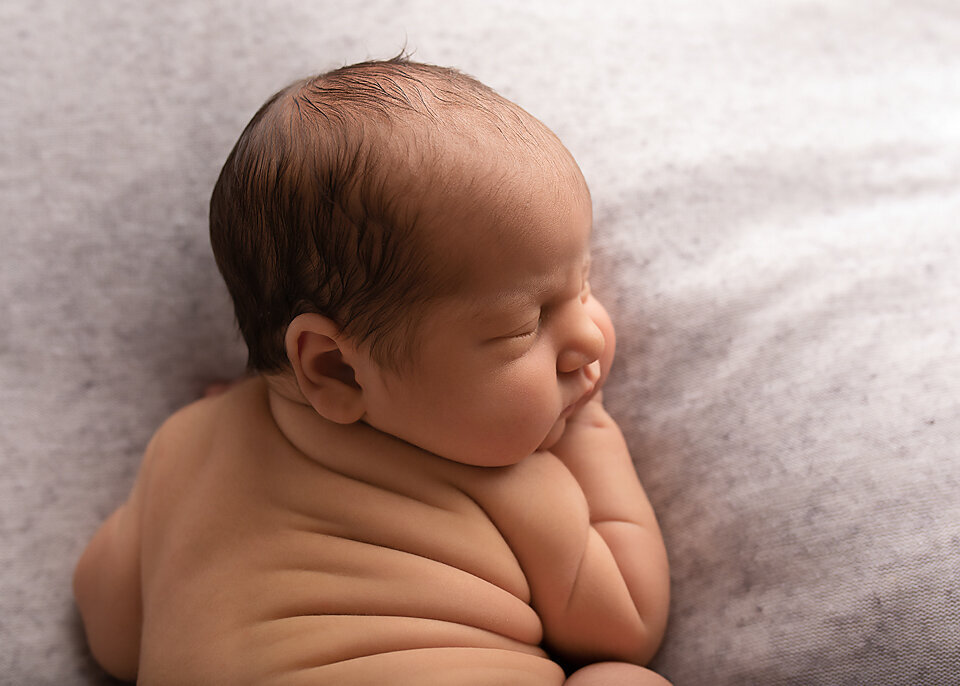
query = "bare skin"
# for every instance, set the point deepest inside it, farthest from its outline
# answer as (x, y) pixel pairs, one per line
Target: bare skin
(460, 524)
(358, 557)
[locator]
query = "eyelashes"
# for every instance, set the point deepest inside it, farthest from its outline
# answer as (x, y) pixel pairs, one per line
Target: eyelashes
(530, 330)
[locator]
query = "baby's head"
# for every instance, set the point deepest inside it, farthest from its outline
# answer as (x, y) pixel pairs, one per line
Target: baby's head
(397, 228)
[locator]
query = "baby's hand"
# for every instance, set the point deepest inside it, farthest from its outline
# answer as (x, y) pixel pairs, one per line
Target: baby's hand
(583, 428)
(590, 412)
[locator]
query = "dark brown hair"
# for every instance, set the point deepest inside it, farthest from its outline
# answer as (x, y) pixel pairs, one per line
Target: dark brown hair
(315, 209)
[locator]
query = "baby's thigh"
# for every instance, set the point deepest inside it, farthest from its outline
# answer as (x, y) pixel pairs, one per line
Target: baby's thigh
(615, 674)
(436, 667)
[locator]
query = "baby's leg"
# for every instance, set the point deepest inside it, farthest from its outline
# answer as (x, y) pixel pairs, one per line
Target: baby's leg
(615, 674)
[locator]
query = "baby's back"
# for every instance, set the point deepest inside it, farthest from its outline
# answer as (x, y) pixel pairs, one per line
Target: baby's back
(366, 562)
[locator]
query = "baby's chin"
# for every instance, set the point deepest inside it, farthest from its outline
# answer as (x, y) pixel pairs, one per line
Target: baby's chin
(556, 431)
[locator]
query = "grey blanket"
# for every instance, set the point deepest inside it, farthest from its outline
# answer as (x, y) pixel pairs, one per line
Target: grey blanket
(777, 236)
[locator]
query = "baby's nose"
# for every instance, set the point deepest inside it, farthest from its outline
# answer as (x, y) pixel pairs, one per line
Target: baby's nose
(584, 347)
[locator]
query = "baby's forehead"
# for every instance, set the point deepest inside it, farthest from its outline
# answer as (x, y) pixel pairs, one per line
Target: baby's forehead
(513, 208)
(490, 185)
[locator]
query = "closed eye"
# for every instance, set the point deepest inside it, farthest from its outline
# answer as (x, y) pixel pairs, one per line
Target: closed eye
(529, 330)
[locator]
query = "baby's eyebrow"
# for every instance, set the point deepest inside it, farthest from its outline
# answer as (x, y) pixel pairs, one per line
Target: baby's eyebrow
(502, 305)
(507, 302)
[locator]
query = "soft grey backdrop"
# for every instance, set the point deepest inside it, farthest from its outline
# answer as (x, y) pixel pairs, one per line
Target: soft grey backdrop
(777, 235)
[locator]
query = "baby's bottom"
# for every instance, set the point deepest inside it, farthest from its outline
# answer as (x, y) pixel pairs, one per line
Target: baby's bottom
(615, 674)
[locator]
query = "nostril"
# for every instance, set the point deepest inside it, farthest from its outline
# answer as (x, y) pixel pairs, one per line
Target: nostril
(574, 360)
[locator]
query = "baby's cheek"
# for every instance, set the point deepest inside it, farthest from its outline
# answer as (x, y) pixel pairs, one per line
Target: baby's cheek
(526, 419)
(524, 401)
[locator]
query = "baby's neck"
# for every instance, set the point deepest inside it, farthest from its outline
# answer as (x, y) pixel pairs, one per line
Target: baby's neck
(296, 419)
(356, 450)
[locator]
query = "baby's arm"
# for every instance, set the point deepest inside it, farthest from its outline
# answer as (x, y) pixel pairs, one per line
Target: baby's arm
(106, 585)
(586, 538)
(624, 540)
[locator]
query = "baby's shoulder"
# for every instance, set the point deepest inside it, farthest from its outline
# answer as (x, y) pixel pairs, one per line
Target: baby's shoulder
(194, 426)
(187, 427)
(186, 439)
(171, 452)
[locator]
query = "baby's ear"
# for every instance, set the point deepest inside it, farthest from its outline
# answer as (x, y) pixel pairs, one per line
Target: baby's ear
(314, 348)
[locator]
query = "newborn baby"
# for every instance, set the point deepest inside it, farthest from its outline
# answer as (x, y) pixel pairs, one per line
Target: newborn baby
(419, 484)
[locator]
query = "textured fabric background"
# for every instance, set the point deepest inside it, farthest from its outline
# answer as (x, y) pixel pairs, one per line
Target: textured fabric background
(777, 236)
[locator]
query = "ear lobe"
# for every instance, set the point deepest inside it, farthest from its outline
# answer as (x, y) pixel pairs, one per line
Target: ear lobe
(326, 380)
